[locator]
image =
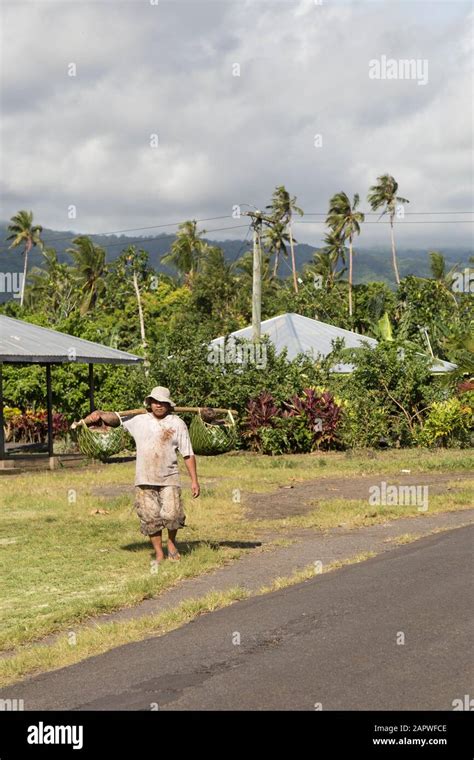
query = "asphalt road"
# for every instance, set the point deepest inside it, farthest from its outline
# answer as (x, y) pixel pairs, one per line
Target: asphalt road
(334, 641)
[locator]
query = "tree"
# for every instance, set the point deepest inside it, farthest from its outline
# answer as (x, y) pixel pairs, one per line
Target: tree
(428, 307)
(136, 262)
(90, 270)
(384, 194)
(438, 272)
(344, 221)
(215, 292)
(283, 206)
(327, 260)
(187, 251)
(52, 288)
(24, 232)
(275, 239)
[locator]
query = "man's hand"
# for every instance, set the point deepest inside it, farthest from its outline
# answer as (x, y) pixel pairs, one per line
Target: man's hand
(190, 462)
(108, 418)
(93, 418)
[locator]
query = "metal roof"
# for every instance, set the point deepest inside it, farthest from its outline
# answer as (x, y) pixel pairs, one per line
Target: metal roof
(304, 335)
(23, 342)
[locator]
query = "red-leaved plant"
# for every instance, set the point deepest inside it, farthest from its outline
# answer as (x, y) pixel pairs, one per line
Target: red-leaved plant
(261, 412)
(32, 427)
(318, 412)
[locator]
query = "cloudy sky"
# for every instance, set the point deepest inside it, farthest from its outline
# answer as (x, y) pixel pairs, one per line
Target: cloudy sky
(236, 92)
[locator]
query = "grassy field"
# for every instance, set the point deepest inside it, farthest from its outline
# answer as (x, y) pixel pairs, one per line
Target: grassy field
(61, 562)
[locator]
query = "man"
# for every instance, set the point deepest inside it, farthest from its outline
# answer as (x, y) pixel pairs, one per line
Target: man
(158, 435)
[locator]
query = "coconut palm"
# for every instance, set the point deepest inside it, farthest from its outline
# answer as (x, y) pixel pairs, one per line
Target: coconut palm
(283, 206)
(24, 232)
(344, 221)
(334, 252)
(52, 286)
(186, 251)
(438, 273)
(90, 270)
(384, 195)
(275, 239)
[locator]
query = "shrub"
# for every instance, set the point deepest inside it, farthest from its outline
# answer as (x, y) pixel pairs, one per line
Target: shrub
(364, 422)
(32, 426)
(449, 423)
(298, 425)
(388, 394)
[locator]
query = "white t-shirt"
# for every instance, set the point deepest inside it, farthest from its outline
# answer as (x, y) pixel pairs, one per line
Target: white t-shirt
(157, 442)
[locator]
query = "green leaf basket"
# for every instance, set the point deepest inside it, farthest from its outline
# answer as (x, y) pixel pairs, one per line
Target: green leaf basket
(208, 439)
(101, 445)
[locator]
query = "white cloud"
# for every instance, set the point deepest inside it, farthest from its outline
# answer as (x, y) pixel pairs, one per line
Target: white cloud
(227, 139)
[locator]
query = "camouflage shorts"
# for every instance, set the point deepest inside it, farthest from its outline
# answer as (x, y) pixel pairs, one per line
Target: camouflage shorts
(159, 507)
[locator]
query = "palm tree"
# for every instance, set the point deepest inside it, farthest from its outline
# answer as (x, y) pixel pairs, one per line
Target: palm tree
(187, 251)
(344, 221)
(275, 239)
(384, 194)
(243, 268)
(283, 206)
(91, 269)
(52, 285)
(24, 232)
(438, 273)
(334, 252)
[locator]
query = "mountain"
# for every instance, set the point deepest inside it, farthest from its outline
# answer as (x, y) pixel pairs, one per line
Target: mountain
(369, 263)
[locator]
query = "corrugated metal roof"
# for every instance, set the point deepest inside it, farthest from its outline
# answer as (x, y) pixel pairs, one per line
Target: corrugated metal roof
(24, 342)
(304, 335)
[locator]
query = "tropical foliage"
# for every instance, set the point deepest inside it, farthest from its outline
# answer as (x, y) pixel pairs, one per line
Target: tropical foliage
(390, 399)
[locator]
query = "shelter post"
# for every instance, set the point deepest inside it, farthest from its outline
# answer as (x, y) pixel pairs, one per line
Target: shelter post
(2, 430)
(49, 404)
(91, 388)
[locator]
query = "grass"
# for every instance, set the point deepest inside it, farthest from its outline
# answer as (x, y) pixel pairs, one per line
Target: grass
(357, 513)
(61, 564)
(93, 641)
(310, 571)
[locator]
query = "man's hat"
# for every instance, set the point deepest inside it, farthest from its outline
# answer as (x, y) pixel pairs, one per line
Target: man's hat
(159, 394)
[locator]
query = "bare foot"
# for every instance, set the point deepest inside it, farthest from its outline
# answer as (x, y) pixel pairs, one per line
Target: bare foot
(173, 553)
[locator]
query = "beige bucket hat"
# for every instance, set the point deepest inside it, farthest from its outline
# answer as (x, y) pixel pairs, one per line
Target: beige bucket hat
(159, 393)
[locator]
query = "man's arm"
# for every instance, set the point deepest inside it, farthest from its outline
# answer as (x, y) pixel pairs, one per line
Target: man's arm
(108, 418)
(190, 463)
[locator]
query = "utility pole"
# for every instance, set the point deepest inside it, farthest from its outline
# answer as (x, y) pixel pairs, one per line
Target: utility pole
(257, 221)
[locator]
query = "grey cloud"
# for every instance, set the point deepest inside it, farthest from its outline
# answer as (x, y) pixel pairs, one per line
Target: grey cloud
(225, 139)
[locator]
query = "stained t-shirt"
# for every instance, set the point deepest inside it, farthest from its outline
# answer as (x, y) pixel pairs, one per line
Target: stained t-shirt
(158, 442)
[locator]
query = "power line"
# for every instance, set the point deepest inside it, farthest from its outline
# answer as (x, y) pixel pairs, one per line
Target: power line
(406, 213)
(156, 237)
(228, 216)
(424, 221)
(136, 229)
(245, 240)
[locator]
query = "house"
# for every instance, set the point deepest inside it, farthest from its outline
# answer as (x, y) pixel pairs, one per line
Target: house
(304, 335)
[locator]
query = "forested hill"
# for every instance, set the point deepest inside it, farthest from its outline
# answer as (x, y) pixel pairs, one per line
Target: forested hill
(369, 264)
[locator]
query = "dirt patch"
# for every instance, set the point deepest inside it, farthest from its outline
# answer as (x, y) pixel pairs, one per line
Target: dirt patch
(299, 499)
